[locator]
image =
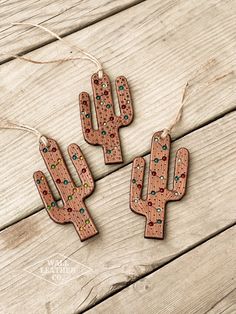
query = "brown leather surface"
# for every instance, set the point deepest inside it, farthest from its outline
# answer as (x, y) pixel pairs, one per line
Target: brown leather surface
(107, 134)
(74, 209)
(154, 206)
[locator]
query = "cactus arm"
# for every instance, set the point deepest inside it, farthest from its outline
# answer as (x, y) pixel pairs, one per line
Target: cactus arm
(125, 102)
(159, 160)
(106, 119)
(57, 168)
(180, 175)
(82, 169)
(102, 96)
(49, 202)
(90, 135)
(136, 202)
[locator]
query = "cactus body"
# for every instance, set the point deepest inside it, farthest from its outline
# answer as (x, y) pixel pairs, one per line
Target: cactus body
(107, 134)
(74, 209)
(154, 206)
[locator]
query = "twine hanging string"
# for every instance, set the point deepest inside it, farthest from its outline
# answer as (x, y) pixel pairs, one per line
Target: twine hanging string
(85, 55)
(186, 93)
(6, 124)
(174, 122)
(88, 56)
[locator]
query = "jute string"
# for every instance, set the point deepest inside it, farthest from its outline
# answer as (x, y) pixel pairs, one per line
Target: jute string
(86, 55)
(186, 93)
(167, 130)
(6, 124)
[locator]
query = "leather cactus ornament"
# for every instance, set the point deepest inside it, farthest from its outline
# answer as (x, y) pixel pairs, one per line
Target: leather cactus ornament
(74, 209)
(107, 134)
(153, 207)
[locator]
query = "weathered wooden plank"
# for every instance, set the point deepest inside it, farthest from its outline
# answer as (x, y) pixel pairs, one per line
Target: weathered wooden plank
(63, 17)
(120, 254)
(194, 283)
(227, 305)
(157, 61)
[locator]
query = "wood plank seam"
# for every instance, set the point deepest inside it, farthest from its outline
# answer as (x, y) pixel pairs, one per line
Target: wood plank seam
(196, 233)
(220, 301)
(120, 301)
(146, 153)
(162, 79)
(72, 31)
(114, 284)
(181, 254)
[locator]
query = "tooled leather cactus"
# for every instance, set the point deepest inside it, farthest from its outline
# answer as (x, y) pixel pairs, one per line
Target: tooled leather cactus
(154, 205)
(74, 209)
(107, 134)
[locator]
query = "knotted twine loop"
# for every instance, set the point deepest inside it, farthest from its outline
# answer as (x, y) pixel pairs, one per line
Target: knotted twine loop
(177, 118)
(86, 55)
(6, 124)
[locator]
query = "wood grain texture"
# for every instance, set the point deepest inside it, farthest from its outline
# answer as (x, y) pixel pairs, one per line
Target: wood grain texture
(226, 305)
(157, 51)
(120, 254)
(194, 283)
(63, 17)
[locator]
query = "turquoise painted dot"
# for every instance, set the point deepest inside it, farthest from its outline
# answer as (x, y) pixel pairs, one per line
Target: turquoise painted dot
(66, 182)
(109, 151)
(87, 115)
(121, 87)
(159, 209)
(74, 157)
(53, 204)
(38, 181)
(156, 160)
(98, 97)
(104, 132)
(159, 221)
(164, 147)
(153, 192)
(108, 106)
(134, 181)
(176, 178)
(49, 207)
(126, 117)
(82, 210)
(45, 150)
